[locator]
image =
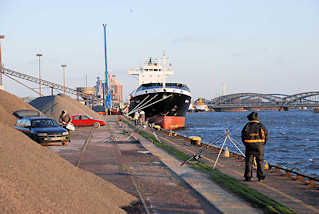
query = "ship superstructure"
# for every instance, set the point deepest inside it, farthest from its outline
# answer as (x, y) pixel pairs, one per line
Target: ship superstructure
(163, 103)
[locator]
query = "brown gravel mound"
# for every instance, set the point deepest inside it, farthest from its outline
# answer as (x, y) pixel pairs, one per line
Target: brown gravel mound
(10, 103)
(53, 105)
(36, 180)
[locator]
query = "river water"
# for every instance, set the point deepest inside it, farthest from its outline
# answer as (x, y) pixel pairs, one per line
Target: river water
(293, 135)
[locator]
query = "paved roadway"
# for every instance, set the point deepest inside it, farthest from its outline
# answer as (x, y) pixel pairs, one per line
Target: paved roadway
(164, 185)
(167, 187)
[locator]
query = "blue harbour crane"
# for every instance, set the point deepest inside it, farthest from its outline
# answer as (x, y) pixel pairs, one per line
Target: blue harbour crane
(107, 96)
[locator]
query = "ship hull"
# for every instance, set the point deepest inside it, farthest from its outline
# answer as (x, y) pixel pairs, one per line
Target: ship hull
(170, 122)
(162, 108)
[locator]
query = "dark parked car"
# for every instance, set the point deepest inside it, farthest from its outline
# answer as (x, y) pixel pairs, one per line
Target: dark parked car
(42, 129)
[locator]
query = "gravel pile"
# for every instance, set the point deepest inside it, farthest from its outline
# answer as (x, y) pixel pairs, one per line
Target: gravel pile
(53, 105)
(36, 180)
(10, 103)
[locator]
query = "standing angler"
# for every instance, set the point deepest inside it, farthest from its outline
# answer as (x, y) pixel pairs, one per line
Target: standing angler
(254, 136)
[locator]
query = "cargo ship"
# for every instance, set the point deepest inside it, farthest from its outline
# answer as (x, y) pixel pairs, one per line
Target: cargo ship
(164, 103)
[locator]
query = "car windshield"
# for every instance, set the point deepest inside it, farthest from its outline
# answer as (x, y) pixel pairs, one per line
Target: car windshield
(85, 117)
(43, 123)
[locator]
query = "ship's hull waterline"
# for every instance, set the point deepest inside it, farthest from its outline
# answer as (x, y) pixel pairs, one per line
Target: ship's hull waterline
(165, 109)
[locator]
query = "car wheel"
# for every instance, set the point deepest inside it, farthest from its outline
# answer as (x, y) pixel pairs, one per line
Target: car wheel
(65, 143)
(97, 125)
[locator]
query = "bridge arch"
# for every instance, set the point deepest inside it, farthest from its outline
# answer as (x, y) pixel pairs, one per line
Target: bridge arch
(246, 97)
(300, 97)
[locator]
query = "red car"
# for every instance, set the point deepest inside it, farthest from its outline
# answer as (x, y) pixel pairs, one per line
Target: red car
(85, 120)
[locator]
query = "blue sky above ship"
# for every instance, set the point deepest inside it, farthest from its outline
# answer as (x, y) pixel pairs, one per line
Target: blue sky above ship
(264, 46)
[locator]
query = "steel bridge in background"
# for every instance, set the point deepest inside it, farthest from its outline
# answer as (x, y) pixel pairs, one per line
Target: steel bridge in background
(237, 100)
(264, 101)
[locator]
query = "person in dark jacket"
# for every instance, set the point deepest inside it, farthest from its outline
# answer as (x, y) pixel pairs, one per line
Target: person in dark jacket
(64, 120)
(254, 136)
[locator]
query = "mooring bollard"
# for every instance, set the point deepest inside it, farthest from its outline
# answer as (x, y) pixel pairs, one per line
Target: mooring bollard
(196, 140)
(266, 165)
(226, 153)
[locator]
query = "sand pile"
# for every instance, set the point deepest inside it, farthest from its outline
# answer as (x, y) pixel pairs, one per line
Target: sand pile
(10, 103)
(53, 105)
(36, 180)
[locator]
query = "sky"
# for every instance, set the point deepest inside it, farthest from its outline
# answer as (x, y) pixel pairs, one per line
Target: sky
(215, 47)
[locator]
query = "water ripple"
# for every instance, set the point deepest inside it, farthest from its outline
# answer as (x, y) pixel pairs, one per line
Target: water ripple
(293, 135)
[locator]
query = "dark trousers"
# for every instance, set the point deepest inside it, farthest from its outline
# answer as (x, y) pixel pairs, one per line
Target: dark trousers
(254, 150)
(69, 135)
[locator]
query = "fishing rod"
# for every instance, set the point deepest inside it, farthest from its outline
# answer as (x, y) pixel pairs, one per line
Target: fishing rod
(195, 156)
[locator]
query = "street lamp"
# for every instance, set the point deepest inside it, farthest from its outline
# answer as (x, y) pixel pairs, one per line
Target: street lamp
(39, 55)
(63, 68)
(1, 75)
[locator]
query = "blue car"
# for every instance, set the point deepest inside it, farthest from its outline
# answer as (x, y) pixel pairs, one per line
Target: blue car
(42, 130)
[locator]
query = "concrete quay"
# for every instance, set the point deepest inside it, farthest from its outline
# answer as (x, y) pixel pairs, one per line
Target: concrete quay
(299, 196)
(165, 186)
(223, 200)
(121, 156)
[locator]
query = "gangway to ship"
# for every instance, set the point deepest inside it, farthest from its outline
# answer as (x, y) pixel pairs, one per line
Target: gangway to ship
(10, 73)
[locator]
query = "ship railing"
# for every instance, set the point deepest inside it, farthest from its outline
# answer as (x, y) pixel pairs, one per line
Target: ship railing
(295, 174)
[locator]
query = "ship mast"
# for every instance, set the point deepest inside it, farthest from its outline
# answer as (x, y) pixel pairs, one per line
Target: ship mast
(146, 73)
(164, 69)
